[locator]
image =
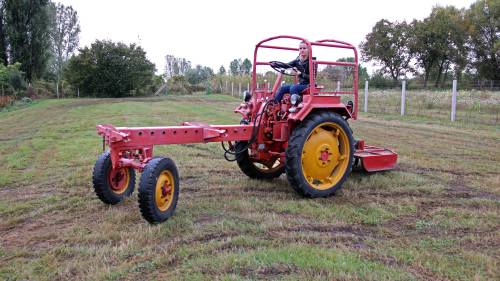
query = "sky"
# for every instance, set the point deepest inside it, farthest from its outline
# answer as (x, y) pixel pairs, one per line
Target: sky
(214, 32)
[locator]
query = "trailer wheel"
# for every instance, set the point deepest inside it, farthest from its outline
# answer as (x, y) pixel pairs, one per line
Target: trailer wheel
(112, 186)
(320, 154)
(256, 170)
(158, 190)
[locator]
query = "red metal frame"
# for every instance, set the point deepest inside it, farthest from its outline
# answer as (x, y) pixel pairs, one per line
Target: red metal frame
(331, 102)
(133, 147)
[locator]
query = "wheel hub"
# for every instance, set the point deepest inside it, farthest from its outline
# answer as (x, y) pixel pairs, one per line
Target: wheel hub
(164, 190)
(118, 180)
(324, 155)
(320, 154)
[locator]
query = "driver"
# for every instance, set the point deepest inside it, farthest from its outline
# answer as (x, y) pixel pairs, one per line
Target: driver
(301, 69)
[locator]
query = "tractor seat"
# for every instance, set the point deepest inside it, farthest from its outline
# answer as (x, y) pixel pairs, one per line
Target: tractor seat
(306, 90)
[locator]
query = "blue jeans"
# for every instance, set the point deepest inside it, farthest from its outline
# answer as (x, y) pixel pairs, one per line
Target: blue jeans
(293, 89)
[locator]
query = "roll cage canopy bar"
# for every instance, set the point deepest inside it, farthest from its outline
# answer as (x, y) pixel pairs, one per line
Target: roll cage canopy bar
(331, 43)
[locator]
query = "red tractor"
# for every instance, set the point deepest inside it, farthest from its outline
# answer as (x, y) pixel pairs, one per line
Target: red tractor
(314, 146)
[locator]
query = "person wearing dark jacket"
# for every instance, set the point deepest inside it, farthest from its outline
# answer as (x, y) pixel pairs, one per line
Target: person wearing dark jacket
(301, 69)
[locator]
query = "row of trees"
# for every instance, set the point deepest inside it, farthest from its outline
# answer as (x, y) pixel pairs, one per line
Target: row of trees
(38, 42)
(449, 42)
(39, 39)
(184, 78)
(38, 36)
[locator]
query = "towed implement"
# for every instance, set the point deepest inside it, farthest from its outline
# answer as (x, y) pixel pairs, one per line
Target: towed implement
(313, 144)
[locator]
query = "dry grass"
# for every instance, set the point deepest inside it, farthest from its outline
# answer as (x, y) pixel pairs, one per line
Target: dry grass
(436, 217)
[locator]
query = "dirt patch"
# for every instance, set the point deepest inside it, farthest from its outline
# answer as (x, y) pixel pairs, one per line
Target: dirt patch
(214, 236)
(334, 229)
(396, 194)
(35, 234)
(402, 167)
(418, 271)
(458, 189)
(189, 181)
(207, 219)
(264, 272)
(324, 235)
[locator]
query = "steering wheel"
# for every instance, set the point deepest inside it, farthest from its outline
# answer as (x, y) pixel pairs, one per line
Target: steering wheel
(282, 67)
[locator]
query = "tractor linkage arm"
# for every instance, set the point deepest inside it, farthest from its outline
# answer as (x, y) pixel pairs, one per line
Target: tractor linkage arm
(133, 146)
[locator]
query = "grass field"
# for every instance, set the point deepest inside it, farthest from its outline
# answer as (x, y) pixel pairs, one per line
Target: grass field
(436, 217)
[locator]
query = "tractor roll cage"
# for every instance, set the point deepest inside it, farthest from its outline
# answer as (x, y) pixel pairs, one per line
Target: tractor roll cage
(313, 90)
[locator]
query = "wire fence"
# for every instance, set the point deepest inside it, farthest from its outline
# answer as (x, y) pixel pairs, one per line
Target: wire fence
(477, 102)
(472, 106)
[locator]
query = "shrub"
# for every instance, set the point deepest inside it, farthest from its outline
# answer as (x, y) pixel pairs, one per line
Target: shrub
(178, 85)
(6, 101)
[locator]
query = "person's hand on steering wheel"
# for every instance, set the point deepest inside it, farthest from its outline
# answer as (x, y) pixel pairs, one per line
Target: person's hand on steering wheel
(295, 71)
(284, 68)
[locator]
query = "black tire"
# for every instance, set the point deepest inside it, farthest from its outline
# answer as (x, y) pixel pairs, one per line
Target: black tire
(157, 200)
(253, 169)
(108, 191)
(312, 171)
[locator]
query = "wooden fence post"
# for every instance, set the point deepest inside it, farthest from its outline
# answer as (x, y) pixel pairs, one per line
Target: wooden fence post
(453, 100)
(403, 98)
(366, 96)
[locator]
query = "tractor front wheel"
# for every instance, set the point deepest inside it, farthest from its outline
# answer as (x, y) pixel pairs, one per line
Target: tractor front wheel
(112, 185)
(267, 170)
(320, 154)
(158, 190)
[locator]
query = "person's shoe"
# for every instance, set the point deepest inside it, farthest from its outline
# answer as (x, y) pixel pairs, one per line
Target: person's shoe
(296, 108)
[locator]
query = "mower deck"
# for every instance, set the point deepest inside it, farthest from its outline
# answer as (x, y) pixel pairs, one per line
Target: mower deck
(374, 158)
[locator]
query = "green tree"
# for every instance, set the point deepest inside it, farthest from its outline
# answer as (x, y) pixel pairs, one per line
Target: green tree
(449, 34)
(246, 67)
(64, 32)
(439, 42)
(483, 21)
(423, 47)
(11, 79)
(27, 25)
(222, 70)
(3, 40)
(388, 44)
(234, 67)
(109, 69)
(199, 74)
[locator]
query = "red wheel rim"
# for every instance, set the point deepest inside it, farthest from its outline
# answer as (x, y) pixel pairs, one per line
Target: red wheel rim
(118, 180)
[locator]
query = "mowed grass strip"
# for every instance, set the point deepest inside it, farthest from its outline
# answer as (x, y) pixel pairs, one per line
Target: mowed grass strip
(435, 217)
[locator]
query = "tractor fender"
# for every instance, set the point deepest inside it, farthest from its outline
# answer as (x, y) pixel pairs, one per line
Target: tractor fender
(338, 108)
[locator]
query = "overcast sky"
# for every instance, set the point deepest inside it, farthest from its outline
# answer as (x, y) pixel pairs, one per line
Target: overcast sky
(214, 32)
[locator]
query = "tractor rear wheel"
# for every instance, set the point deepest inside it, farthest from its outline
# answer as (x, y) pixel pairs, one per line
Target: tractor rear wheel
(112, 185)
(320, 154)
(257, 170)
(158, 190)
